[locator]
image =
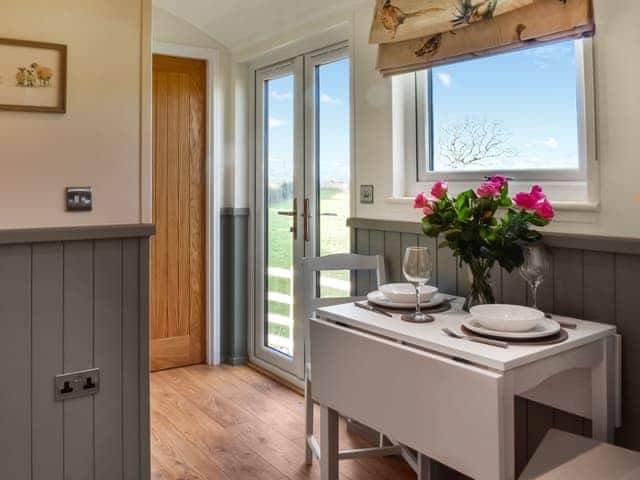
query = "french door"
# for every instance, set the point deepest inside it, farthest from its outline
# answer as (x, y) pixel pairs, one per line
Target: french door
(303, 166)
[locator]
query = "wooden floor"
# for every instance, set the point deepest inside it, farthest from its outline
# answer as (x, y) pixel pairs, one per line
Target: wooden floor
(234, 423)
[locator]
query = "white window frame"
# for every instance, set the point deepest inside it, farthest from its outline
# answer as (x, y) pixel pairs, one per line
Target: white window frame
(575, 187)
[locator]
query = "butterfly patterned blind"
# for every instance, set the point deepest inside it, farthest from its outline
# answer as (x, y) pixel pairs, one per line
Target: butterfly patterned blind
(417, 34)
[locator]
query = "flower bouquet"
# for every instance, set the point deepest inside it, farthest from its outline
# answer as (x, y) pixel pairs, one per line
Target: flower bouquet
(485, 226)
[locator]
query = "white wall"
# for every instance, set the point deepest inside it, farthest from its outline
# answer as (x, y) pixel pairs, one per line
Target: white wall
(103, 139)
(618, 116)
(171, 29)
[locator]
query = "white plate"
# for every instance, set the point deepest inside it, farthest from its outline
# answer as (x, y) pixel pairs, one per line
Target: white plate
(378, 298)
(545, 328)
(406, 292)
(506, 318)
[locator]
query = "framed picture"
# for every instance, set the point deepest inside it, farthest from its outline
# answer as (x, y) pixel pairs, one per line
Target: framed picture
(33, 76)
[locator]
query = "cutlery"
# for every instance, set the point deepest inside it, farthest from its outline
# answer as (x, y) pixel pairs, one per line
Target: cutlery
(563, 324)
(373, 309)
(487, 341)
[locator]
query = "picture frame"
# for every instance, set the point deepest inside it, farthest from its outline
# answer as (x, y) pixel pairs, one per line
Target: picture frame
(33, 76)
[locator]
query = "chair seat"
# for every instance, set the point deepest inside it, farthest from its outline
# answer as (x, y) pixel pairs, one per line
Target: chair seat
(564, 456)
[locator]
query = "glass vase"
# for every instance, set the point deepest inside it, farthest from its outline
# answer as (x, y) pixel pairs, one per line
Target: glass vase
(480, 291)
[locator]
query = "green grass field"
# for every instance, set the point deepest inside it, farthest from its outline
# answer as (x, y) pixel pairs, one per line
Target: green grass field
(334, 239)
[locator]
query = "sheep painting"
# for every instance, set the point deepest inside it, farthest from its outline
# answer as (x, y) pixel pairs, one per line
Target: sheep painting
(33, 76)
(21, 77)
(44, 74)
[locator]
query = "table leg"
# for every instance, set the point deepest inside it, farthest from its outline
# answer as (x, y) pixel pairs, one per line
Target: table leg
(425, 466)
(603, 394)
(328, 444)
(308, 402)
(508, 437)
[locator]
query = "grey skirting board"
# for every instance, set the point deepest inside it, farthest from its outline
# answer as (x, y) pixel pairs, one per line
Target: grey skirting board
(591, 277)
(73, 299)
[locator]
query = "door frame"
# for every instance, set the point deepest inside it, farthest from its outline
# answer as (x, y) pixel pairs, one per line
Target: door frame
(214, 165)
(340, 32)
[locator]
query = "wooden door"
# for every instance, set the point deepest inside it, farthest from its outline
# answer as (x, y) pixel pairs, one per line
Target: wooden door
(178, 290)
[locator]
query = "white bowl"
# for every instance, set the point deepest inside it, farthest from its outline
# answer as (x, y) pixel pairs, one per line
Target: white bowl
(506, 318)
(406, 293)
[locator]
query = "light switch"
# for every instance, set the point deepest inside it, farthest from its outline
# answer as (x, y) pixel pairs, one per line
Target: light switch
(79, 199)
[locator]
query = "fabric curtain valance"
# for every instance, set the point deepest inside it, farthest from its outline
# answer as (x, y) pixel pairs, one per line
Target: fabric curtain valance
(417, 34)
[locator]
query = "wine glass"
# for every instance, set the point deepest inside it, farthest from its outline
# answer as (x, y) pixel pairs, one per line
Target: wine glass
(417, 267)
(534, 268)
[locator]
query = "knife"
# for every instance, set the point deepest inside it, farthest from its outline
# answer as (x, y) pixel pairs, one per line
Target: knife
(373, 309)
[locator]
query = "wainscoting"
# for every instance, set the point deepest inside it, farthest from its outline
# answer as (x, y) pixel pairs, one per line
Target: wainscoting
(73, 299)
(233, 266)
(593, 278)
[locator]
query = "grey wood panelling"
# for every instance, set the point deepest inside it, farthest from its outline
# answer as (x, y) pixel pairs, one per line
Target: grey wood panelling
(130, 360)
(234, 269)
(78, 331)
(108, 357)
(66, 306)
(15, 356)
(590, 277)
(46, 361)
(362, 278)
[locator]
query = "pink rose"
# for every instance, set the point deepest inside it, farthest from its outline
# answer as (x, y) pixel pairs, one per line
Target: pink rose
(427, 211)
(420, 200)
(524, 201)
(488, 190)
(439, 189)
(499, 180)
(535, 200)
(544, 209)
(536, 193)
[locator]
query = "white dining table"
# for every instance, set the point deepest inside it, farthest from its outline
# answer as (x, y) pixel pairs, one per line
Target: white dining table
(452, 400)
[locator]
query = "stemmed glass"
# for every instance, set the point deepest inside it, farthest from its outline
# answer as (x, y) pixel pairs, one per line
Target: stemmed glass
(534, 268)
(417, 267)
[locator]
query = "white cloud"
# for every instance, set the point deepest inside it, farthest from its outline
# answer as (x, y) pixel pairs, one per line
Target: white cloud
(281, 96)
(326, 98)
(551, 142)
(276, 122)
(445, 79)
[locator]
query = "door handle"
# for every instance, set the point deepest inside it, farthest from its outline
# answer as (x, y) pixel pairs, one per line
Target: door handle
(329, 214)
(306, 215)
(293, 213)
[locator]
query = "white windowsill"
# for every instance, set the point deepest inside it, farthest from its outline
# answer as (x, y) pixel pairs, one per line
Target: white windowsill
(560, 206)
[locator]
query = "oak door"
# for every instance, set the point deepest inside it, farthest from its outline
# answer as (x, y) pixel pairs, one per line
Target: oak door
(178, 248)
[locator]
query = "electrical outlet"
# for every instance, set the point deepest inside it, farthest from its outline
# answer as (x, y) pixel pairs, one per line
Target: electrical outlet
(77, 384)
(79, 199)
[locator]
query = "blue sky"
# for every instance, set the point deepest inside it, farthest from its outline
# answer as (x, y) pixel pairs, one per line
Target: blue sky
(531, 94)
(333, 83)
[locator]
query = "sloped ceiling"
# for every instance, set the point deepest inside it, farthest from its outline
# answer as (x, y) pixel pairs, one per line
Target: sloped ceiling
(235, 22)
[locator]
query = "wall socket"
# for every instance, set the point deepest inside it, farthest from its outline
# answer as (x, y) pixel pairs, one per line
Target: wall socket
(79, 199)
(77, 384)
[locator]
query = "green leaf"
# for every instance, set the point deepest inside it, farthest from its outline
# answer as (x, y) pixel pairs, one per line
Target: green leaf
(464, 199)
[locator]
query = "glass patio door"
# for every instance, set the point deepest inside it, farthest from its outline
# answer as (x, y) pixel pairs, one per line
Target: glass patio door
(303, 153)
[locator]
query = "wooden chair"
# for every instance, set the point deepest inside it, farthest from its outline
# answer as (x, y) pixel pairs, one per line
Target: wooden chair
(564, 456)
(310, 269)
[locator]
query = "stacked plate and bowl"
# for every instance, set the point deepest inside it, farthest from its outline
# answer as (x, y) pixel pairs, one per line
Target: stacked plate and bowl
(511, 322)
(403, 296)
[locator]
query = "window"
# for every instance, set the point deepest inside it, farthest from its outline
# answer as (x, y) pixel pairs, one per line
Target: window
(519, 113)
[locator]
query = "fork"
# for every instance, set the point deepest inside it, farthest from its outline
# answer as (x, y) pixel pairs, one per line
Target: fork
(486, 341)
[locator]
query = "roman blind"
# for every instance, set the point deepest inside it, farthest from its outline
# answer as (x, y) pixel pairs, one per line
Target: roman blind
(417, 34)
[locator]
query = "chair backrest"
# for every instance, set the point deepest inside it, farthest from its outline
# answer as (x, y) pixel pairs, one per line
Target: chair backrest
(311, 266)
